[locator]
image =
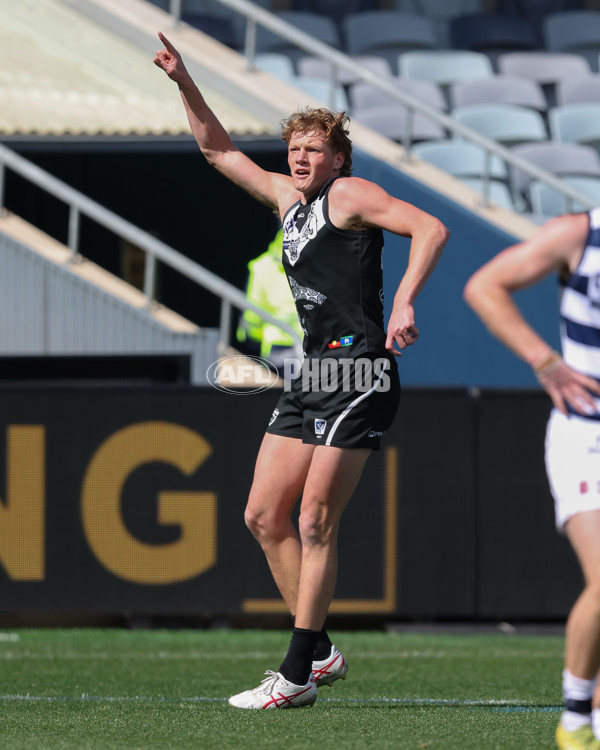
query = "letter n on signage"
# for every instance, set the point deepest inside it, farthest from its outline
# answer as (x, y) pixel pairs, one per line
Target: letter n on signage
(22, 511)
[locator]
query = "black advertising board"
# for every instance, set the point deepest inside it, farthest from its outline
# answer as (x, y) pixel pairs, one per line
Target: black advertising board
(130, 500)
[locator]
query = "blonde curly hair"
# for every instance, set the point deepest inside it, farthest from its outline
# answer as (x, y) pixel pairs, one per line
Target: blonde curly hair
(333, 125)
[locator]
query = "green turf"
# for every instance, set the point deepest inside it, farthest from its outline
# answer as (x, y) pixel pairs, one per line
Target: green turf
(167, 690)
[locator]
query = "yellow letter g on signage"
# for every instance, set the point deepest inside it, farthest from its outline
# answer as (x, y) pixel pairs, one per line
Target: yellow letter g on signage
(195, 512)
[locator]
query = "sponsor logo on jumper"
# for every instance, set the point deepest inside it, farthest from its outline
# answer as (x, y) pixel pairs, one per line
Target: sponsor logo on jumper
(330, 375)
(320, 426)
(242, 375)
(344, 341)
(583, 488)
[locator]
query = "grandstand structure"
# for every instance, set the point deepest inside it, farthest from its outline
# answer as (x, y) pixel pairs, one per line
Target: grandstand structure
(81, 90)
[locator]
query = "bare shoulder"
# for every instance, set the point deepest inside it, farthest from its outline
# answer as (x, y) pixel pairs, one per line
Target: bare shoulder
(349, 199)
(563, 237)
(351, 189)
(287, 194)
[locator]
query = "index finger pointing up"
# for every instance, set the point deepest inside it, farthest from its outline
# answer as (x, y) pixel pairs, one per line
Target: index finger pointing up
(166, 42)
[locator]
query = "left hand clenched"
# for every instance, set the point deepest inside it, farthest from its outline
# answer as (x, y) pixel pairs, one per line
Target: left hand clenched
(401, 337)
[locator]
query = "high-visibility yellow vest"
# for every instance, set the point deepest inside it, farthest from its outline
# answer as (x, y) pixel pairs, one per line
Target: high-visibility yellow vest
(268, 288)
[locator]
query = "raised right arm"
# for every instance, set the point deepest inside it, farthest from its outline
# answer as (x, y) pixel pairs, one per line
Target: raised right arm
(270, 188)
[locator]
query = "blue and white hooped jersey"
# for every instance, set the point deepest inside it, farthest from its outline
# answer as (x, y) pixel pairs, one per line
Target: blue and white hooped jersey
(580, 309)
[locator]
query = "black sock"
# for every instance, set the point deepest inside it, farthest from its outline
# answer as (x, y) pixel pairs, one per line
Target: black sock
(324, 644)
(323, 648)
(297, 665)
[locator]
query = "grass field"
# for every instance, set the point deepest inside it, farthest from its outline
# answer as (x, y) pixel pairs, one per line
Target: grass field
(168, 689)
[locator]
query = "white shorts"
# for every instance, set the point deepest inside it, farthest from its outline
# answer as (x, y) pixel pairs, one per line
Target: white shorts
(573, 465)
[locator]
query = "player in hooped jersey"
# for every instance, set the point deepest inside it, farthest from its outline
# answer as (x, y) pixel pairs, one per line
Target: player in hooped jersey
(319, 439)
(570, 247)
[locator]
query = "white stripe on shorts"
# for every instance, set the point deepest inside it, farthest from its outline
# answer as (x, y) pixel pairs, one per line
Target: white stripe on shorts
(351, 406)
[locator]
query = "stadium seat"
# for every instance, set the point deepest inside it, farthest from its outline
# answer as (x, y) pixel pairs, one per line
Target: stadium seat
(506, 123)
(546, 68)
(501, 90)
(392, 120)
(548, 202)
(439, 8)
(218, 27)
(536, 10)
(461, 159)
(334, 98)
(497, 192)
(337, 10)
(578, 90)
(320, 27)
(275, 63)
(576, 123)
(315, 67)
(561, 159)
(441, 12)
(445, 67)
(387, 34)
(363, 96)
(575, 31)
(493, 34)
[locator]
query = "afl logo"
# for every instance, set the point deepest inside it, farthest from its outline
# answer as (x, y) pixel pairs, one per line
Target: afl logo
(242, 375)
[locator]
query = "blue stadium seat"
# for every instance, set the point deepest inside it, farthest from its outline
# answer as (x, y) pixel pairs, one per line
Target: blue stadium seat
(583, 89)
(497, 192)
(316, 67)
(576, 31)
(461, 159)
(363, 96)
(387, 34)
(548, 202)
(561, 159)
(392, 120)
(576, 123)
(500, 90)
(441, 12)
(546, 68)
(320, 27)
(493, 34)
(506, 123)
(276, 64)
(445, 67)
(334, 98)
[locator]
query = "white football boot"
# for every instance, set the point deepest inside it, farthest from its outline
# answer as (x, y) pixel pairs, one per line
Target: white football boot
(333, 668)
(276, 692)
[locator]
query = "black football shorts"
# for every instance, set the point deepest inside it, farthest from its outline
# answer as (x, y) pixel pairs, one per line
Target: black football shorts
(346, 403)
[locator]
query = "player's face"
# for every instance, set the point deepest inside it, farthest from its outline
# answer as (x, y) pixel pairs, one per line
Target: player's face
(312, 162)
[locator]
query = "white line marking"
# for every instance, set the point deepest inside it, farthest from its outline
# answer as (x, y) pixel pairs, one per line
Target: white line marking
(86, 698)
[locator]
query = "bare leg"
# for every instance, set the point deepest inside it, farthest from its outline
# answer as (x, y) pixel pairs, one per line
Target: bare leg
(281, 470)
(331, 480)
(582, 657)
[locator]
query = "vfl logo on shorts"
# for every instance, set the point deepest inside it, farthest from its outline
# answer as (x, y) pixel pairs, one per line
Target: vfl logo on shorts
(374, 433)
(274, 417)
(320, 426)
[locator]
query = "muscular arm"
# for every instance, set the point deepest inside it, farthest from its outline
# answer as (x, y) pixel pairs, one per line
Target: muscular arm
(555, 247)
(359, 204)
(269, 188)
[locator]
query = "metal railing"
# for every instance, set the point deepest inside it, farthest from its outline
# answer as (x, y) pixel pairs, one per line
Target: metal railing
(154, 249)
(255, 15)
